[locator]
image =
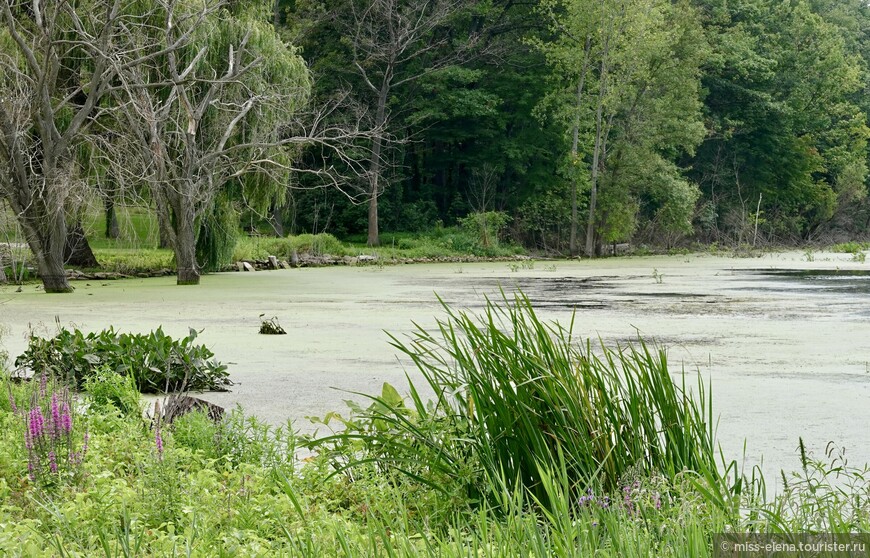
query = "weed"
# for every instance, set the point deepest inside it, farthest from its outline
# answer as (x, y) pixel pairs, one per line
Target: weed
(271, 326)
(154, 360)
(851, 247)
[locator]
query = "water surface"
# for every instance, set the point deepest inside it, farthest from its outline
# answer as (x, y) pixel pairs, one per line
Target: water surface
(785, 342)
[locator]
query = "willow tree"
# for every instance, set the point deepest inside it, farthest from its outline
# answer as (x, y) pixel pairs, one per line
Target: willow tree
(57, 64)
(211, 115)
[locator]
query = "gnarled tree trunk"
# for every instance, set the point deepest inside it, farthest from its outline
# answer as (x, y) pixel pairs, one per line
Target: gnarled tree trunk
(185, 242)
(77, 251)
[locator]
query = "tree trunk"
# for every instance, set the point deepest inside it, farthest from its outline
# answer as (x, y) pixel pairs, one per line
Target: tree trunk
(77, 251)
(52, 274)
(164, 219)
(49, 255)
(375, 169)
(276, 219)
(185, 246)
(112, 229)
(593, 194)
(374, 238)
(575, 151)
(596, 155)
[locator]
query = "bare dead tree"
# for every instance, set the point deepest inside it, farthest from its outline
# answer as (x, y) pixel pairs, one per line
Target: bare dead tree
(387, 38)
(196, 122)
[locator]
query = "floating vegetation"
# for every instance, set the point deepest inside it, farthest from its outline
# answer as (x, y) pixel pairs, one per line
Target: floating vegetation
(271, 326)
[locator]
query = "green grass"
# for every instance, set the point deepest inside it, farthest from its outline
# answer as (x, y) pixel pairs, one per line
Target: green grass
(133, 260)
(137, 227)
(851, 247)
(409, 478)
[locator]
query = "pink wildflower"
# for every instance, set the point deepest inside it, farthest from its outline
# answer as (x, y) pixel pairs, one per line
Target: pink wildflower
(37, 424)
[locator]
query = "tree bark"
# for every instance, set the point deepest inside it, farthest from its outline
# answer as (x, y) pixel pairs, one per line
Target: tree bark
(164, 220)
(185, 245)
(375, 169)
(77, 251)
(112, 229)
(45, 232)
(48, 251)
(575, 151)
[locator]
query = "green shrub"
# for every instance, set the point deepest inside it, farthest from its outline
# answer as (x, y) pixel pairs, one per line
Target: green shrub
(133, 260)
(316, 244)
(485, 228)
(155, 361)
(850, 247)
(198, 432)
(110, 390)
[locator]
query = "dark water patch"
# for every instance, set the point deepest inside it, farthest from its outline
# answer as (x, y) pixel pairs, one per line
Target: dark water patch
(825, 281)
(689, 296)
(813, 273)
(571, 293)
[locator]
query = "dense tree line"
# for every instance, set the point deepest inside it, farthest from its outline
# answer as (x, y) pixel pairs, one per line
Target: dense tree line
(599, 121)
(583, 122)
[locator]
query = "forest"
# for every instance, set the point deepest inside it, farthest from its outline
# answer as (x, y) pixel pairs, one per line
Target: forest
(565, 126)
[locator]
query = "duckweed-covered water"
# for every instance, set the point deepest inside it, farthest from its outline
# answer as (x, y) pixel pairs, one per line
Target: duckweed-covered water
(785, 342)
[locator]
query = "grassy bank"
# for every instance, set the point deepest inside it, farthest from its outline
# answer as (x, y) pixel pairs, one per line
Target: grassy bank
(533, 445)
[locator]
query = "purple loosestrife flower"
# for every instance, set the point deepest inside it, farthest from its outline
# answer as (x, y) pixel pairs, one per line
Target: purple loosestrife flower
(37, 424)
(12, 404)
(65, 419)
(43, 384)
(54, 427)
(627, 501)
(52, 462)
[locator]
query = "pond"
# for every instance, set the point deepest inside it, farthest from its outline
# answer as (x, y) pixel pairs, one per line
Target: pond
(785, 342)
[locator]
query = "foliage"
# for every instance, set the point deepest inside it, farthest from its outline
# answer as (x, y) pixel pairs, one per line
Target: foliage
(109, 390)
(851, 247)
(131, 261)
(241, 488)
(485, 228)
(50, 428)
(513, 395)
(786, 128)
(270, 326)
(218, 231)
(154, 361)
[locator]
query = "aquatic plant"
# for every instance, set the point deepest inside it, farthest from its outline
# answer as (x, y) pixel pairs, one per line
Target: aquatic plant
(156, 361)
(514, 394)
(270, 326)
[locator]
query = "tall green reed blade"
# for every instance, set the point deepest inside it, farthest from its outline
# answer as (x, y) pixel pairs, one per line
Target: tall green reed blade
(512, 392)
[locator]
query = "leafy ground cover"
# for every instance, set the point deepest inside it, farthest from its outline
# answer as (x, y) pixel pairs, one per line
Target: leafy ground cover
(154, 362)
(85, 474)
